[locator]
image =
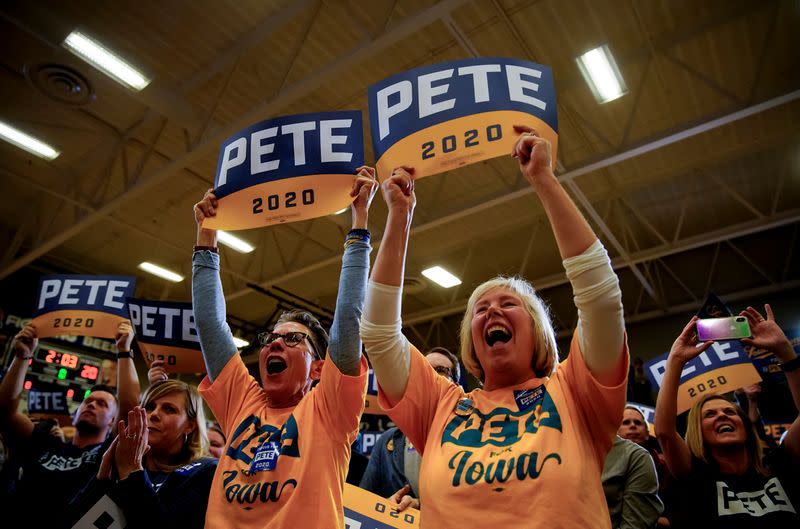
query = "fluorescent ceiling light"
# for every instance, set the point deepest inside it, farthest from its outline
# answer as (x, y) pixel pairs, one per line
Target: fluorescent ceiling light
(100, 57)
(601, 73)
(342, 210)
(156, 270)
(441, 277)
(27, 142)
(239, 343)
(234, 242)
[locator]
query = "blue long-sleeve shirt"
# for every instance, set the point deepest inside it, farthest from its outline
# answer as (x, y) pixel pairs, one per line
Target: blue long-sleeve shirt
(216, 339)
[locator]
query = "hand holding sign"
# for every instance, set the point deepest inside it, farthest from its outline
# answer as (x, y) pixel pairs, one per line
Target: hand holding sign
(124, 336)
(404, 500)
(364, 187)
(157, 373)
(398, 190)
(767, 334)
(25, 342)
(533, 153)
(686, 347)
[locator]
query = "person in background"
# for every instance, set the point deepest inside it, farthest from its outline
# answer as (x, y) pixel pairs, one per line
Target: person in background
(528, 448)
(288, 444)
(630, 481)
(49, 465)
(393, 469)
(156, 471)
(216, 440)
(725, 481)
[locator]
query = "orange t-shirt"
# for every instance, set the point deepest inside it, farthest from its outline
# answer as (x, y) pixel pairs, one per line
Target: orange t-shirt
(304, 489)
(511, 457)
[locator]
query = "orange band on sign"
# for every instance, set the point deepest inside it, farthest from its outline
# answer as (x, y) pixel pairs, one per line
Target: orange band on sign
(372, 407)
(286, 200)
(722, 380)
(176, 359)
(461, 142)
(77, 323)
(363, 508)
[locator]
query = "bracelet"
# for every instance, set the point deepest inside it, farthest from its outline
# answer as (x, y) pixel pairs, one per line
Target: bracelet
(790, 365)
(213, 249)
(124, 354)
(357, 234)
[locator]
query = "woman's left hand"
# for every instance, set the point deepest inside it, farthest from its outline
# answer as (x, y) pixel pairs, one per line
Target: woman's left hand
(534, 155)
(132, 444)
(767, 334)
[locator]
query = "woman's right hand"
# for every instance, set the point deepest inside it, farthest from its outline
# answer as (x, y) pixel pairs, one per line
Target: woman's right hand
(157, 373)
(206, 208)
(686, 347)
(25, 342)
(398, 190)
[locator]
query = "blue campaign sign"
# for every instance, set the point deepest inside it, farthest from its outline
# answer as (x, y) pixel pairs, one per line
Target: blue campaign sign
(723, 367)
(440, 117)
(166, 330)
(288, 168)
(82, 305)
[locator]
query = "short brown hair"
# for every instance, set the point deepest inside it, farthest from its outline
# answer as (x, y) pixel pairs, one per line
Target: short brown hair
(318, 336)
(453, 359)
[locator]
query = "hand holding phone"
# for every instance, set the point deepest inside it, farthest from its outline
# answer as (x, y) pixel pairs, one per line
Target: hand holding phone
(731, 328)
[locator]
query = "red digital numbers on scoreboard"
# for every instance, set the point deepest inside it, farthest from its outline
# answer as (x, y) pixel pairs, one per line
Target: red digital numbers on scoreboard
(89, 372)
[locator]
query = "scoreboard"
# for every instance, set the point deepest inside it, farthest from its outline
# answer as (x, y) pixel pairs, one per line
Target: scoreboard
(55, 365)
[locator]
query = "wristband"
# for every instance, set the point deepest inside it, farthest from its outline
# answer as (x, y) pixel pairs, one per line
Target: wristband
(124, 354)
(356, 234)
(213, 249)
(790, 365)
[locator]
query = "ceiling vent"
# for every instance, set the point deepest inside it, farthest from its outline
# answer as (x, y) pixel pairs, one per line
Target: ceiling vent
(60, 83)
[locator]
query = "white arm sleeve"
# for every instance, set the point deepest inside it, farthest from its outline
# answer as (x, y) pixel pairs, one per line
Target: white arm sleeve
(601, 324)
(387, 347)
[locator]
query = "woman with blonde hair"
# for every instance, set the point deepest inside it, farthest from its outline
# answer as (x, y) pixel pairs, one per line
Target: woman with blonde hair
(528, 448)
(725, 478)
(155, 471)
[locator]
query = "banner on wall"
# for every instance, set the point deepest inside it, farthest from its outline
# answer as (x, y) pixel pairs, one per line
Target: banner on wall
(723, 367)
(649, 414)
(287, 169)
(441, 117)
(82, 305)
(365, 510)
(165, 330)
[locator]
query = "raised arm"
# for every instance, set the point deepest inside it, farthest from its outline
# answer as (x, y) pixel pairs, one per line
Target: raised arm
(25, 343)
(676, 452)
(595, 286)
(128, 387)
(345, 343)
(386, 346)
(208, 300)
(768, 335)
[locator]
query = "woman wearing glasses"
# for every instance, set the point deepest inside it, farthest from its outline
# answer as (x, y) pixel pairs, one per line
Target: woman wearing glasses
(528, 448)
(288, 447)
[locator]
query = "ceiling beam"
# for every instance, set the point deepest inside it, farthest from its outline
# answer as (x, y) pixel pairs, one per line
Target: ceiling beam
(732, 232)
(402, 30)
(644, 148)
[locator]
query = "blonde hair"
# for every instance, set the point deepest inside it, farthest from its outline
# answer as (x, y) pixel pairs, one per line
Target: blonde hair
(544, 336)
(698, 447)
(196, 443)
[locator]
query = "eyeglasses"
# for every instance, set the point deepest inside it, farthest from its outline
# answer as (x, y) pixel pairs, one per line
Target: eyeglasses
(444, 371)
(291, 339)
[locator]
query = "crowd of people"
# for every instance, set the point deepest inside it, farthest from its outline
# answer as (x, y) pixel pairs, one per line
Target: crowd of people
(540, 442)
